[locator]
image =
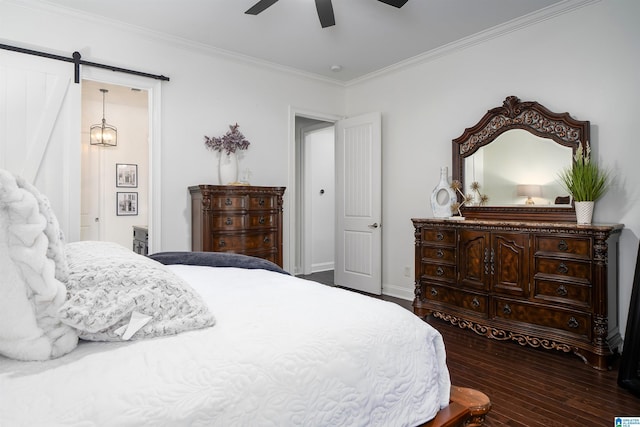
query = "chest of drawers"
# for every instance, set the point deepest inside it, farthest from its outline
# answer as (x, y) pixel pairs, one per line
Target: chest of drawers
(238, 219)
(549, 285)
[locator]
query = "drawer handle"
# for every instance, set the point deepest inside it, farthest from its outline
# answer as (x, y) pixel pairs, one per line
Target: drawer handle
(266, 240)
(486, 261)
(439, 236)
(261, 202)
(562, 246)
(506, 309)
(439, 271)
(573, 323)
(228, 202)
(439, 253)
(434, 292)
(562, 268)
(475, 303)
(222, 243)
(261, 220)
(562, 291)
(229, 221)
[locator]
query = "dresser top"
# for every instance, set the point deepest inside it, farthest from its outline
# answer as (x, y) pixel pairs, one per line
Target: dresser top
(235, 188)
(513, 224)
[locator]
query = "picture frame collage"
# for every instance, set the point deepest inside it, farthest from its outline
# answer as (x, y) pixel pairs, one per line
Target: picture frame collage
(126, 201)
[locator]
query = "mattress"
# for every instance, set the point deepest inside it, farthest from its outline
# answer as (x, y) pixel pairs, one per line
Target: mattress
(284, 352)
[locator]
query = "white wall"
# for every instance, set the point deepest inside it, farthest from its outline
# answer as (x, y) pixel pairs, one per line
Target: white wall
(586, 62)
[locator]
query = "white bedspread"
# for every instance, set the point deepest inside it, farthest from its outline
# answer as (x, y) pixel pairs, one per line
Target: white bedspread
(284, 352)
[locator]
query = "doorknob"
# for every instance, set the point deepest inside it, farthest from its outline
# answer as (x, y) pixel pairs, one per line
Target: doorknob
(374, 225)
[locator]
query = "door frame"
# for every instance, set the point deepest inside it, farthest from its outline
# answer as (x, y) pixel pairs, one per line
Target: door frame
(293, 206)
(154, 89)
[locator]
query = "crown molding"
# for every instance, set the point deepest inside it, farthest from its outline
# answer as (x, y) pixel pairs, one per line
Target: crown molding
(547, 13)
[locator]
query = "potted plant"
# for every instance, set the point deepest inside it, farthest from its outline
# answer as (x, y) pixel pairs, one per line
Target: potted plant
(586, 182)
(226, 146)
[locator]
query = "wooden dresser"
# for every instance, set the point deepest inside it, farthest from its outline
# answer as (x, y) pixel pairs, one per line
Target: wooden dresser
(240, 219)
(548, 285)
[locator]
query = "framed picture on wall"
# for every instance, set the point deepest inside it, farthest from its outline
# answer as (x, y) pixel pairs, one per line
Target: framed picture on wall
(126, 175)
(126, 203)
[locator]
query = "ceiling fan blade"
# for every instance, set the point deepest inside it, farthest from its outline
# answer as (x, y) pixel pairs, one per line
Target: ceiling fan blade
(260, 6)
(325, 13)
(396, 3)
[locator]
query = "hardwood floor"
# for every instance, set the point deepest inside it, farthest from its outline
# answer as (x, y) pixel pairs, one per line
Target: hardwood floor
(528, 386)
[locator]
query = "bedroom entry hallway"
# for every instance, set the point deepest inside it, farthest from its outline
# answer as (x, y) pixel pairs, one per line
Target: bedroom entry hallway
(114, 180)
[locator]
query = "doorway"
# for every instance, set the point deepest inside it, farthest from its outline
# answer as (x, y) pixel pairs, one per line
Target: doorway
(314, 195)
(358, 182)
(114, 180)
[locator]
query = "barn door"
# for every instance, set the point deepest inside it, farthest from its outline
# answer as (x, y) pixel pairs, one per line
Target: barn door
(39, 130)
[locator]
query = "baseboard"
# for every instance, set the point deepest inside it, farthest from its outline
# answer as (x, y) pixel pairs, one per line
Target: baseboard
(324, 266)
(396, 291)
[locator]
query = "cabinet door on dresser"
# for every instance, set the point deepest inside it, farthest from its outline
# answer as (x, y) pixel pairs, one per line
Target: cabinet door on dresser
(494, 261)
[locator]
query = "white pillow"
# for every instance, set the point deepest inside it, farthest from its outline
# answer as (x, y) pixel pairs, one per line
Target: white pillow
(30, 294)
(108, 283)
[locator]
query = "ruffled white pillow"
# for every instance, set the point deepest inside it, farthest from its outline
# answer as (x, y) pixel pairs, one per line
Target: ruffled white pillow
(30, 293)
(110, 287)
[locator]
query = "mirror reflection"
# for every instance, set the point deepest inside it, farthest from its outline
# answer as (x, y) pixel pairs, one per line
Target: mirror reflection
(519, 168)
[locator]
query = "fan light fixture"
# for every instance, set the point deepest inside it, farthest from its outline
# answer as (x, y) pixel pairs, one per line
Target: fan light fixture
(104, 134)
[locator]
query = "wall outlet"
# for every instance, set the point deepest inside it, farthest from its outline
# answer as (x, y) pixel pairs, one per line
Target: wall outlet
(407, 271)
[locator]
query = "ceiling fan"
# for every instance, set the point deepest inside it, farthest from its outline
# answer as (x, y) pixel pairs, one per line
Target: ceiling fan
(324, 8)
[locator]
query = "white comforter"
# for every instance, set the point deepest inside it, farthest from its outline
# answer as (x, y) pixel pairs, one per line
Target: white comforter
(284, 352)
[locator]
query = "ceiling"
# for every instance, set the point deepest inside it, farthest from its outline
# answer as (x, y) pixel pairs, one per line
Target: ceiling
(369, 35)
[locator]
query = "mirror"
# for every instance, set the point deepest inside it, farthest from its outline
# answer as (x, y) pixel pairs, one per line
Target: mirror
(518, 168)
(515, 153)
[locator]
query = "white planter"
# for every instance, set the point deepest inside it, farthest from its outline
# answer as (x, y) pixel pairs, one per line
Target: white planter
(228, 168)
(584, 212)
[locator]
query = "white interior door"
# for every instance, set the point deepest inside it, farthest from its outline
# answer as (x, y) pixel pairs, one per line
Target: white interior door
(359, 203)
(39, 138)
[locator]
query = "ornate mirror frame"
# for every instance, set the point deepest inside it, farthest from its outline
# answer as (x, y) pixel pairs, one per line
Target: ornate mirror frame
(531, 117)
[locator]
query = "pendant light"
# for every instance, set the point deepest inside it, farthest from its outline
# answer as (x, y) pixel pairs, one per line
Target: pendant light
(104, 134)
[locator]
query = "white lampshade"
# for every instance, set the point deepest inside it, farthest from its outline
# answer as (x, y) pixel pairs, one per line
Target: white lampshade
(529, 191)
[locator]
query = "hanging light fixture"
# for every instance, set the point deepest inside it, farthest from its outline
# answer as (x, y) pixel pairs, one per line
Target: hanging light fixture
(104, 134)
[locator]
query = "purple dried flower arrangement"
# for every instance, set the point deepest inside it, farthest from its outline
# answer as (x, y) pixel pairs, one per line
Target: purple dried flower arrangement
(230, 142)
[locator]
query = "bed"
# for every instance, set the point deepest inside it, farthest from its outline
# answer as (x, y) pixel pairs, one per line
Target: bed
(93, 334)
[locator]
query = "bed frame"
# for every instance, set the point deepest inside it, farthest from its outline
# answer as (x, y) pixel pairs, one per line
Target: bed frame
(467, 408)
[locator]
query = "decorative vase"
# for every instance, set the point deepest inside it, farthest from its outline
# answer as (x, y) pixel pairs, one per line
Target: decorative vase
(228, 168)
(584, 212)
(443, 196)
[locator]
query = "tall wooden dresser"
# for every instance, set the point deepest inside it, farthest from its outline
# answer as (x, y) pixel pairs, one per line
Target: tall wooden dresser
(548, 285)
(239, 219)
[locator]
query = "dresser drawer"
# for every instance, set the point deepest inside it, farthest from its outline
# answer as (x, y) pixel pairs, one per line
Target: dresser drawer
(572, 247)
(228, 222)
(262, 202)
(439, 272)
(574, 322)
(237, 242)
(439, 236)
(229, 202)
(565, 268)
(439, 254)
(261, 221)
(471, 302)
(563, 292)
